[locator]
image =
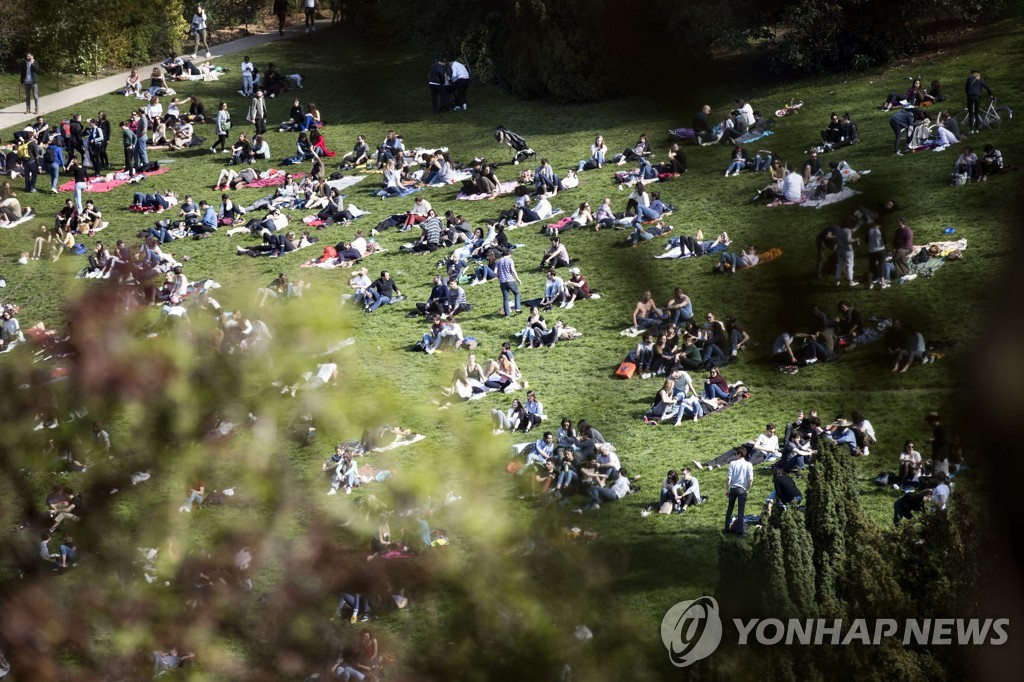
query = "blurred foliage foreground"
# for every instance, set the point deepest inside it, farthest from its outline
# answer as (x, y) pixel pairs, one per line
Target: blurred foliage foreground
(251, 581)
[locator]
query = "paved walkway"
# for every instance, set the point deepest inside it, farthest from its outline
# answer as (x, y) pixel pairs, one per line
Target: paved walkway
(14, 115)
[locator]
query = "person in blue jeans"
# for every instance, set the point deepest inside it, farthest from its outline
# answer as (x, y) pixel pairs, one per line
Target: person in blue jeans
(738, 482)
(508, 278)
(716, 386)
(902, 122)
(618, 489)
(383, 291)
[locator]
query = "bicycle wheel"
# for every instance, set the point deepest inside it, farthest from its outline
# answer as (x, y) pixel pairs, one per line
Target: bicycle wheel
(1000, 116)
(962, 120)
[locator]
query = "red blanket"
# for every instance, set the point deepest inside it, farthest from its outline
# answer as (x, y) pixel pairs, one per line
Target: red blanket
(272, 182)
(106, 185)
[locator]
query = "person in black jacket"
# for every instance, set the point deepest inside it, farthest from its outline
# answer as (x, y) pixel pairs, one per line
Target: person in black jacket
(786, 491)
(436, 77)
(104, 126)
(973, 89)
(702, 132)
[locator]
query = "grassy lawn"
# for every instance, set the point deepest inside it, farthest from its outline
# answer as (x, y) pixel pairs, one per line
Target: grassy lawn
(622, 584)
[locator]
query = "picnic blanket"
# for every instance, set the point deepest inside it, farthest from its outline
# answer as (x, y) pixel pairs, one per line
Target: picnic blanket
(272, 181)
(829, 199)
(106, 183)
(401, 442)
(29, 215)
(345, 182)
(504, 188)
(557, 211)
(754, 135)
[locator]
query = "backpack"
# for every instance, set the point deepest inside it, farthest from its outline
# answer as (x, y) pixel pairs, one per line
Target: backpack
(23, 152)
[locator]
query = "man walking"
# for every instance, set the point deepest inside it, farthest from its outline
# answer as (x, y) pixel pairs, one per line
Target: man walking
(258, 112)
(310, 7)
(30, 81)
(281, 10)
(737, 485)
(436, 78)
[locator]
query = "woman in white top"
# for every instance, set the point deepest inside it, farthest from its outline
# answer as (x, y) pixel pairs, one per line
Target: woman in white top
(173, 111)
(154, 109)
(910, 463)
(598, 150)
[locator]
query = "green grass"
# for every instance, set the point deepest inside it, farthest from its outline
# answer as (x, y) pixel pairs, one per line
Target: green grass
(646, 564)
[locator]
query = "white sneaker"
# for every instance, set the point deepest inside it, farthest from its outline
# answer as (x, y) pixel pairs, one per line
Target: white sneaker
(726, 174)
(332, 491)
(192, 56)
(562, 304)
(497, 432)
(348, 490)
(734, 352)
(871, 285)
(570, 304)
(853, 283)
(208, 55)
(465, 106)
(811, 361)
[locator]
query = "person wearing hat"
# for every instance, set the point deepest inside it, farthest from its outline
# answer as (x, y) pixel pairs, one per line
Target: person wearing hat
(840, 433)
(575, 287)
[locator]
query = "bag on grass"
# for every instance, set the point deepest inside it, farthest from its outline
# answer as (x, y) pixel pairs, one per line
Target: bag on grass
(626, 370)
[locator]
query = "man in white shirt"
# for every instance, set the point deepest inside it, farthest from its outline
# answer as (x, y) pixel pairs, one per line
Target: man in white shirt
(616, 491)
(554, 290)
(766, 446)
(940, 493)
(792, 185)
(737, 485)
(744, 109)
(459, 76)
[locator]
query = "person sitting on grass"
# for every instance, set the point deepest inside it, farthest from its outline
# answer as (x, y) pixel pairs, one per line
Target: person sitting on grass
(515, 419)
(360, 154)
(913, 350)
(740, 160)
(535, 326)
(556, 256)
(618, 489)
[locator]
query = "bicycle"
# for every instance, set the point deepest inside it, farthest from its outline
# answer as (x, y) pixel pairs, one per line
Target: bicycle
(992, 118)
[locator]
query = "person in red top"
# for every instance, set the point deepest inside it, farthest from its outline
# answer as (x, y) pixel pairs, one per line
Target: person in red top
(576, 287)
(716, 386)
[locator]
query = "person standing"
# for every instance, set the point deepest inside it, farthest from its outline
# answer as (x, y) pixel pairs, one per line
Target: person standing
(247, 73)
(902, 122)
(973, 89)
(222, 124)
(199, 31)
(436, 79)
(281, 10)
(460, 83)
(141, 158)
(104, 125)
(128, 139)
(35, 152)
(258, 112)
(508, 278)
(94, 144)
(737, 485)
(310, 7)
(30, 81)
(845, 241)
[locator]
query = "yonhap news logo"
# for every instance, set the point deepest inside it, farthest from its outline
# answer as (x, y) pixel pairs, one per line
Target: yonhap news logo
(691, 630)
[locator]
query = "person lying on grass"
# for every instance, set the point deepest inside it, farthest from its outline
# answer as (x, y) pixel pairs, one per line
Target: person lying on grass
(733, 262)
